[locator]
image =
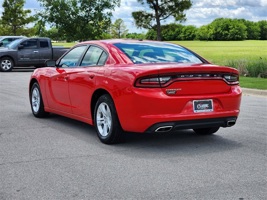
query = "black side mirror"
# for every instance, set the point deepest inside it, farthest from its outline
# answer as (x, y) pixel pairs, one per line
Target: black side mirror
(20, 46)
(1, 43)
(50, 63)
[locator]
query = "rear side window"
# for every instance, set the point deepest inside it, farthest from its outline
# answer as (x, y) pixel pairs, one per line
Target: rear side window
(94, 56)
(152, 52)
(44, 44)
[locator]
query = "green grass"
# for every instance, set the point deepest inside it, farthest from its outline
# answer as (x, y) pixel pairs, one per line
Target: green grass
(221, 52)
(65, 44)
(254, 83)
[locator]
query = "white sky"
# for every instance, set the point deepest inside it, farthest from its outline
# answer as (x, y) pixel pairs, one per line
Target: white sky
(202, 12)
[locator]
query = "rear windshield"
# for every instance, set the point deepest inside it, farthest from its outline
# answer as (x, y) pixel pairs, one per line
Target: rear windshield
(146, 52)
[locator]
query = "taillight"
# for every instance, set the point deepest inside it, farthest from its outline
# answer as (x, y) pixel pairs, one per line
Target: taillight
(152, 82)
(231, 79)
(165, 80)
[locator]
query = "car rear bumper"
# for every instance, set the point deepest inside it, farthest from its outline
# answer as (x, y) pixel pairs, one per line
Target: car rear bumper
(142, 111)
(192, 124)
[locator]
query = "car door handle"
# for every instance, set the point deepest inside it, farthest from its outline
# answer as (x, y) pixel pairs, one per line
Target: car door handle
(35, 51)
(91, 76)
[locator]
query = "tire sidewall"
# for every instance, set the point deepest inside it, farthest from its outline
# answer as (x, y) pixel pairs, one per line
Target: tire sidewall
(40, 112)
(11, 61)
(112, 136)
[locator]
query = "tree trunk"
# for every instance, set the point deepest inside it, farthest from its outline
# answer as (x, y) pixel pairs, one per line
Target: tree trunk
(158, 21)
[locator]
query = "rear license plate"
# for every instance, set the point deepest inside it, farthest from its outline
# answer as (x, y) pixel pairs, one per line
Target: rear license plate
(203, 105)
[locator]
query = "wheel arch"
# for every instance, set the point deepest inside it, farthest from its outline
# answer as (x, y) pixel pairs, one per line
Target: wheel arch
(8, 56)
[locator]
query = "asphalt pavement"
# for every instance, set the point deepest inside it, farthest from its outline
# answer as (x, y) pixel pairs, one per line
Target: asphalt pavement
(59, 158)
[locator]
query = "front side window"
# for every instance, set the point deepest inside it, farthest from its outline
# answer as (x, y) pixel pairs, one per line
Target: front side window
(147, 52)
(94, 56)
(72, 58)
(29, 44)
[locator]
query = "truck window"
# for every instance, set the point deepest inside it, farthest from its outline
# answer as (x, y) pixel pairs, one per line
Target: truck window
(44, 44)
(29, 44)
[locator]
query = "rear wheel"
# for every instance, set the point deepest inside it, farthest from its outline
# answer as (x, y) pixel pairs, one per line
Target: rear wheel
(6, 64)
(206, 131)
(106, 120)
(36, 100)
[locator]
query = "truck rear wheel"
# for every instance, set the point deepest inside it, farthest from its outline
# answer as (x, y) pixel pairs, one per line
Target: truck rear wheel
(6, 64)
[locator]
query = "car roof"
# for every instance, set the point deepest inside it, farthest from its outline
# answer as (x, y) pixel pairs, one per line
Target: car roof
(114, 41)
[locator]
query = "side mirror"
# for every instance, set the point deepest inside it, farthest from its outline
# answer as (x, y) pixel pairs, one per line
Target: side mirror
(1, 43)
(20, 46)
(50, 63)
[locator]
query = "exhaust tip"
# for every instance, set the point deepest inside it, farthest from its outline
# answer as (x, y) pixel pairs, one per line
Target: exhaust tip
(163, 129)
(231, 123)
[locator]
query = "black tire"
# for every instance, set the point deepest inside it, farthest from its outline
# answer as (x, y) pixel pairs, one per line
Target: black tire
(206, 131)
(106, 120)
(36, 101)
(6, 64)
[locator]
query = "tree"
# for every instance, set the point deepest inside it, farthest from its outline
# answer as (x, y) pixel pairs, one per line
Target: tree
(253, 29)
(189, 33)
(171, 32)
(139, 36)
(205, 33)
(263, 29)
(228, 29)
(15, 18)
(78, 19)
(161, 10)
(118, 29)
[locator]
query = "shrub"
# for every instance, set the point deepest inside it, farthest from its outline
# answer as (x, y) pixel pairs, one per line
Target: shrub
(252, 68)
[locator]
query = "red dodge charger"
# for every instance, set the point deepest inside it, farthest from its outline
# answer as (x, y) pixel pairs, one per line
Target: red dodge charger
(137, 86)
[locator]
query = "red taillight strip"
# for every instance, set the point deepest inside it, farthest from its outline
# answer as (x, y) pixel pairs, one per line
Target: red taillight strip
(155, 81)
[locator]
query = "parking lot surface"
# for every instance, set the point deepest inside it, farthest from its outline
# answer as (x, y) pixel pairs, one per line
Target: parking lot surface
(60, 158)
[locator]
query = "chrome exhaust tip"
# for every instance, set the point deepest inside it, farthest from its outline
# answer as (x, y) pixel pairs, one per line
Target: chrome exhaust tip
(163, 129)
(231, 123)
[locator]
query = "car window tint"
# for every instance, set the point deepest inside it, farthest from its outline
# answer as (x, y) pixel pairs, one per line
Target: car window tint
(72, 58)
(94, 56)
(157, 53)
(44, 44)
(102, 58)
(29, 44)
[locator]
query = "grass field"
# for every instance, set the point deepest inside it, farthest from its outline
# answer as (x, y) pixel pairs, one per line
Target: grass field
(220, 52)
(227, 53)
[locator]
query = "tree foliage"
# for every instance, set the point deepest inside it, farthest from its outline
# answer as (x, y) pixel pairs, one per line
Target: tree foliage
(14, 18)
(160, 10)
(119, 29)
(220, 29)
(263, 29)
(78, 19)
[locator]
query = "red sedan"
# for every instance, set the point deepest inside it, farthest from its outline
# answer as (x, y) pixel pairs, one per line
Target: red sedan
(137, 86)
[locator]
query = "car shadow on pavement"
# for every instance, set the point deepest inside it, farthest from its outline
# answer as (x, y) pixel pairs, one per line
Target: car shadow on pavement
(183, 142)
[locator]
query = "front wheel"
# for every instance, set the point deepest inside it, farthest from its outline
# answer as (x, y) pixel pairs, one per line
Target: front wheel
(36, 101)
(206, 131)
(106, 120)
(6, 64)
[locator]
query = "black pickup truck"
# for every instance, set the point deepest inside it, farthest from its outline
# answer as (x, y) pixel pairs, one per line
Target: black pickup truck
(27, 52)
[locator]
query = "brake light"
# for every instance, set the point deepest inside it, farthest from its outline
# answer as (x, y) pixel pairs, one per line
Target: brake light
(231, 79)
(165, 80)
(153, 82)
